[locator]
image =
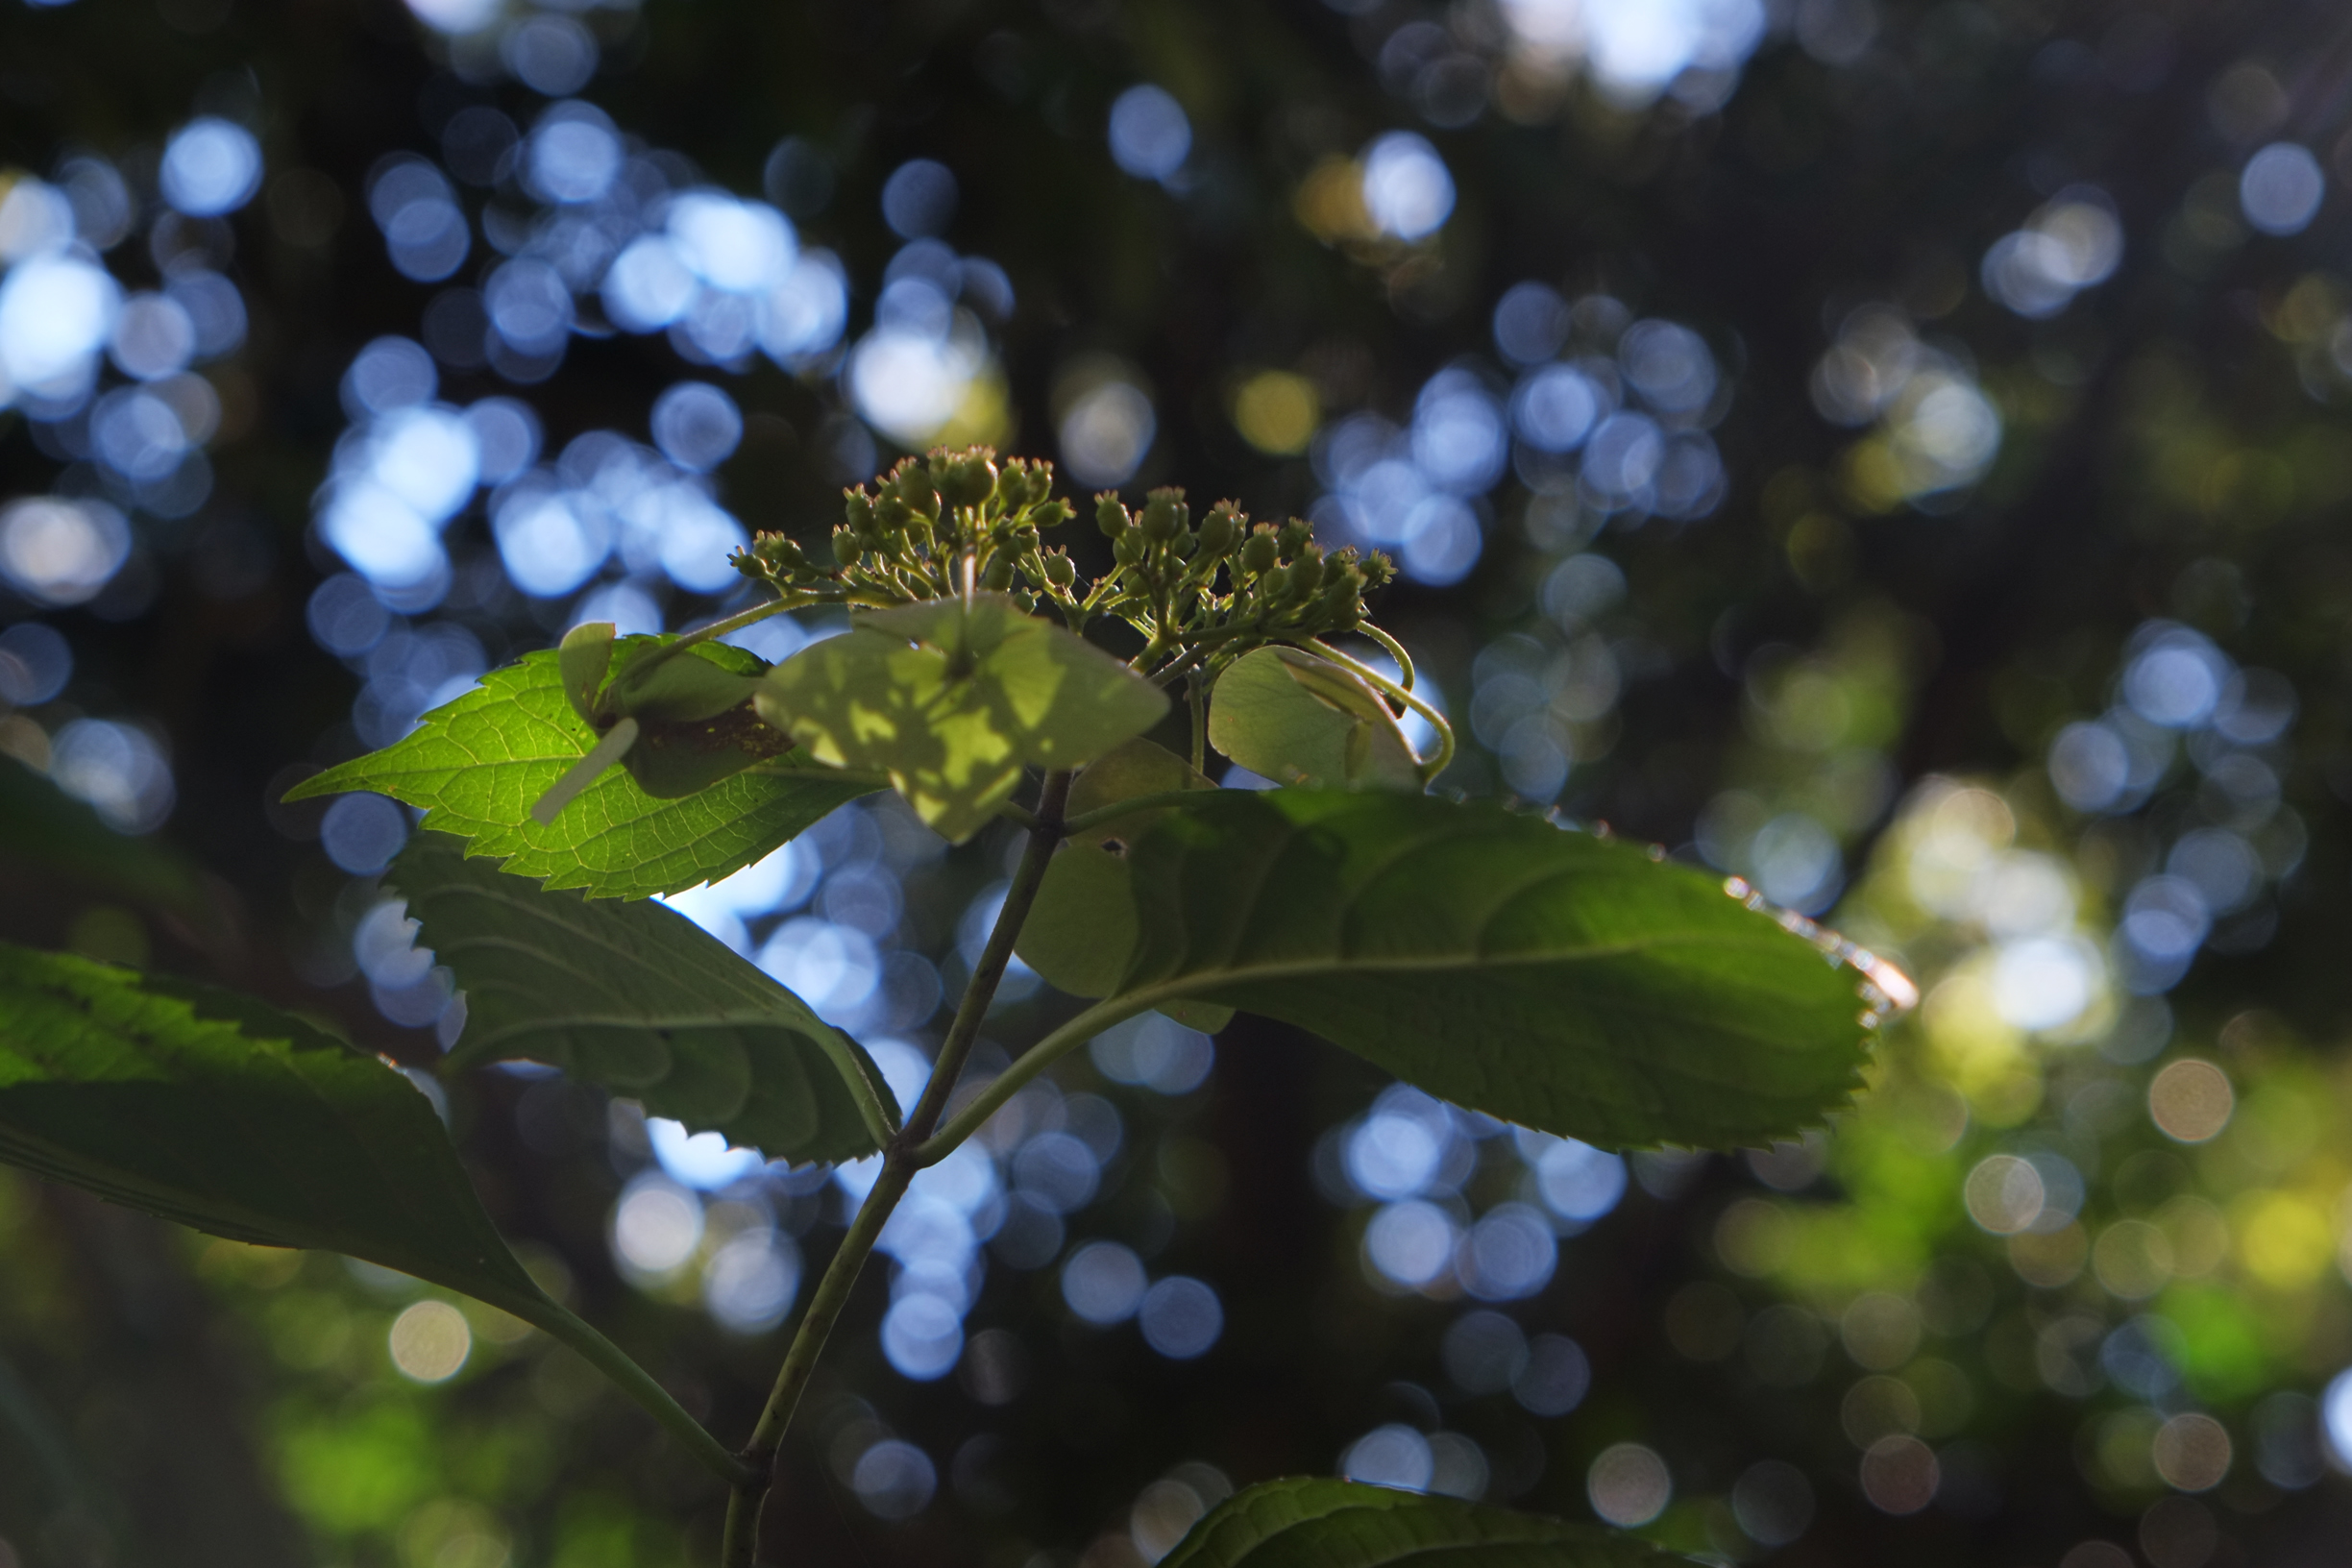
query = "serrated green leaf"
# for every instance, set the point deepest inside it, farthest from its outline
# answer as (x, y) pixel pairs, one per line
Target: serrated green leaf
(1290, 717)
(1311, 1522)
(635, 998)
(953, 700)
(215, 1110)
(219, 1111)
(1546, 977)
(479, 764)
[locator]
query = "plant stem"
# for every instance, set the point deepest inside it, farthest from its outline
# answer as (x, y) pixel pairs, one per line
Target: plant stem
(1196, 693)
(990, 970)
(1032, 1062)
(1429, 767)
(1087, 821)
(902, 1160)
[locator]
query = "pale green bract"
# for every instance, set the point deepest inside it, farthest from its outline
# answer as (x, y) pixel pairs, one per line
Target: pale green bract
(1295, 719)
(1547, 977)
(955, 699)
(1311, 1522)
(479, 764)
(636, 999)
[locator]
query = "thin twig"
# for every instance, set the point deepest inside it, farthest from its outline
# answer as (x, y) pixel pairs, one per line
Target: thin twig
(902, 1160)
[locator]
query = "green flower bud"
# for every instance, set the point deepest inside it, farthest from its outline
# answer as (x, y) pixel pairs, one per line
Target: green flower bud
(1019, 487)
(965, 479)
(1109, 516)
(887, 515)
(857, 510)
(913, 486)
(1378, 571)
(1258, 556)
(847, 547)
(1051, 514)
(1295, 535)
(1060, 571)
(998, 576)
(1306, 573)
(1164, 514)
(1219, 530)
(1129, 548)
(775, 551)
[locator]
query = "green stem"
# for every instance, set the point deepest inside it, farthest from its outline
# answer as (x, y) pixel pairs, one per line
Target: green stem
(994, 958)
(1395, 650)
(1087, 821)
(1196, 693)
(901, 1159)
(739, 1547)
(1036, 1059)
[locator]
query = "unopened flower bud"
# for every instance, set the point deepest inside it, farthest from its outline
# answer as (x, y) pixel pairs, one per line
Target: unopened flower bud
(1259, 555)
(1219, 530)
(1109, 516)
(1163, 515)
(913, 484)
(1060, 571)
(847, 547)
(966, 479)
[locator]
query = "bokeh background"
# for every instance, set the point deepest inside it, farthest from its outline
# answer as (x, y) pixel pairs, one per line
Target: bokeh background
(1895, 453)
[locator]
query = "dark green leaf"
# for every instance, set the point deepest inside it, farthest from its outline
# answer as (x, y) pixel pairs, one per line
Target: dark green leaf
(218, 1111)
(479, 764)
(1126, 772)
(637, 1000)
(1290, 717)
(1309, 1522)
(1546, 977)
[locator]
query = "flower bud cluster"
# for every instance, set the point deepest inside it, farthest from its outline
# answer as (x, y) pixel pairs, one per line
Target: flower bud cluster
(1227, 579)
(955, 520)
(932, 528)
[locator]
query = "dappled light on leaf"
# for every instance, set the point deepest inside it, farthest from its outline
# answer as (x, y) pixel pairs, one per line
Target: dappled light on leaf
(953, 702)
(477, 765)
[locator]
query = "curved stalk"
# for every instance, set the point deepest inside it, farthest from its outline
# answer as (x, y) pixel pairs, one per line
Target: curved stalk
(1429, 767)
(1395, 650)
(902, 1160)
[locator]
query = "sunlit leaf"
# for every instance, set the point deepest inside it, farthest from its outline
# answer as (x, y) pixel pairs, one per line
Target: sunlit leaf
(1290, 717)
(1311, 1522)
(954, 701)
(479, 763)
(1546, 977)
(635, 998)
(218, 1111)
